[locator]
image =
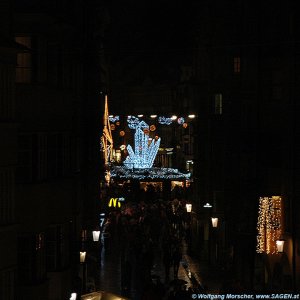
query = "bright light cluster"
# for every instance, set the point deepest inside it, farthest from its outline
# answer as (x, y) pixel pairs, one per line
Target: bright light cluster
(269, 224)
(114, 119)
(132, 122)
(152, 173)
(165, 121)
(144, 153)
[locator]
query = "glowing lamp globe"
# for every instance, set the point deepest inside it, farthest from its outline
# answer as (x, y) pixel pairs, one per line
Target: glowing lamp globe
(214, 222)
(82, 256)
(280, 246)
(188, 207)
(73, 296)
(96, 235)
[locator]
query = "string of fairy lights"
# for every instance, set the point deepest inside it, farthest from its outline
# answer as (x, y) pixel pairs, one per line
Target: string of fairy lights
(269, 224)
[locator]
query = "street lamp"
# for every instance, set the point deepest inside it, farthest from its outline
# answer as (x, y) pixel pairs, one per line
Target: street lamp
(188, 207)
(73, 296)
(280, 245)
(214, 222)
(96, 235)
(82, 257)
(84, 270)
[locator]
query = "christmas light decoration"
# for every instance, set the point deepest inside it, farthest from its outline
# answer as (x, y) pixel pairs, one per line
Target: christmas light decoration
(132, 122)
(144, 153)
(269, 225)
(106, 139)
(180, 120)
(153, 173)
(113, 119)
(165, 121)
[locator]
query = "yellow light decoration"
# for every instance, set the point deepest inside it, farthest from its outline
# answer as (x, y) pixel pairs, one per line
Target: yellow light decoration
(184, 125)
(122, 133)
(112, 126)
(269, 224)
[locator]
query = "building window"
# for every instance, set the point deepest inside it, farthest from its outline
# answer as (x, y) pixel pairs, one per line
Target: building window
(57, 246)
(7, 196)
(237, 65)
(24, 61)
(218, 109)
(31, 259)
(24, 172)
(7, 284)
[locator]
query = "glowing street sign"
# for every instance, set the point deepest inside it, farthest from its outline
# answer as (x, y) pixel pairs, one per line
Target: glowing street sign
(115, 202)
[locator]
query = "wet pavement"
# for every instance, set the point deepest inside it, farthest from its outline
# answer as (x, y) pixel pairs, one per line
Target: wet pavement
(105, 272)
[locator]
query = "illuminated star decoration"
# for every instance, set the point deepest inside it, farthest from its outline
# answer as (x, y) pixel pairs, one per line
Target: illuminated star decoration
(144, 153)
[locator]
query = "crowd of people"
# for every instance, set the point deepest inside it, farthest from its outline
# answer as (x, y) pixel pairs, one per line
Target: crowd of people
(150, 233)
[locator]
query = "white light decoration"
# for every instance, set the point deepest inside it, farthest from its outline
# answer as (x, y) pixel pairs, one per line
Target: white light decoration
(191, 116)
(132, 122)
(207, 205)
(269, 224)
(174, 117)
(188, 207)
(145, 153)
(96, 235)
(82, 256)
(153, 116)
(154, 173)
(113, 119)
(165, 121)
(73, 296)
(280, 245)
(140, 116)
(214, 222)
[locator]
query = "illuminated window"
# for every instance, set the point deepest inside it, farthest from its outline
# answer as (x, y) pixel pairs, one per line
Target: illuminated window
(218, 104)
(24, 61)
(236, 64)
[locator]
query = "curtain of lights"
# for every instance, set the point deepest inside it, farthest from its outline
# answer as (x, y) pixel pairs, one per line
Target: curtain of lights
(269, 224)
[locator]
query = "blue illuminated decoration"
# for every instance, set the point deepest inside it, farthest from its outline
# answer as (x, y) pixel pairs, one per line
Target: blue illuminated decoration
(144, 153)
(165, 121)
(180, 120)
(132, 122)
(113, 119)
(153, 173)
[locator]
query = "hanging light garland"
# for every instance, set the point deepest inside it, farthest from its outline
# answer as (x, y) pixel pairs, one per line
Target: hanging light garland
(269, 225)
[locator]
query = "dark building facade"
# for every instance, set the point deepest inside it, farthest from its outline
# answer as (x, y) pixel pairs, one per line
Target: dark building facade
(235, 65)
(48, 93)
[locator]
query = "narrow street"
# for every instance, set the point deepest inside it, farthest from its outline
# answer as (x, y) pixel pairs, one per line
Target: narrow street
(138, 257)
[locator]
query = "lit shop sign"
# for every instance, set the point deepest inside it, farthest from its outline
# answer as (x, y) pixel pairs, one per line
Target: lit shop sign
(102, 218)
(116, 202)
